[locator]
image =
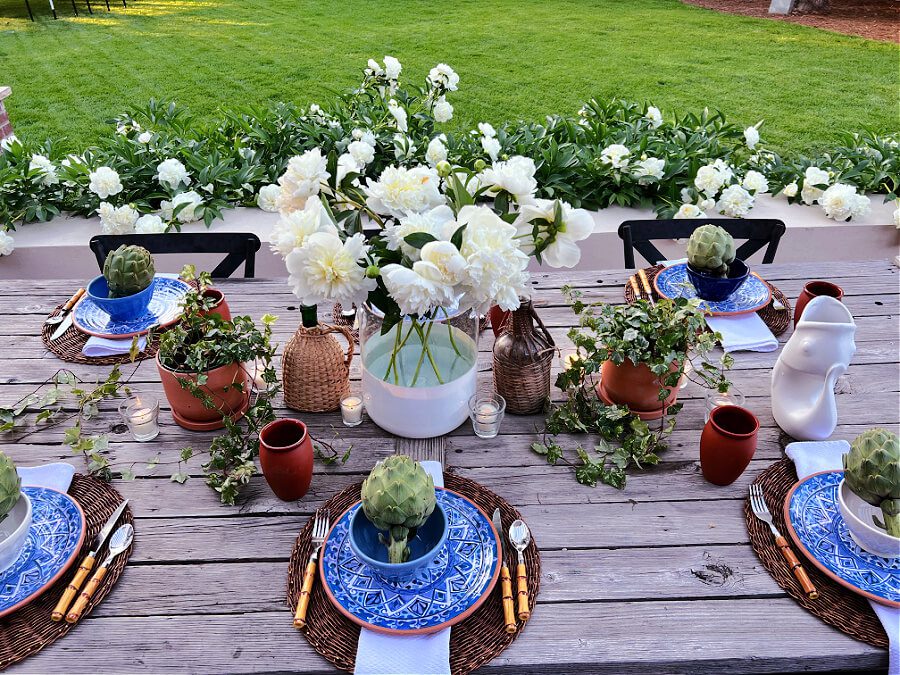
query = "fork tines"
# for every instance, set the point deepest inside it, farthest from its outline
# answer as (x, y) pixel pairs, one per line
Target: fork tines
(757, 500)
(320, 525)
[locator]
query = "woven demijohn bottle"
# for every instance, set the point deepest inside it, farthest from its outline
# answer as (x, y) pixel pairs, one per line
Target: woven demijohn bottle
(523, 357)
(315, 371)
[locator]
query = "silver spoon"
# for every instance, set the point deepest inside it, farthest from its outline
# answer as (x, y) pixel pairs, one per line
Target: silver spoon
(520, 537)
(118, 543)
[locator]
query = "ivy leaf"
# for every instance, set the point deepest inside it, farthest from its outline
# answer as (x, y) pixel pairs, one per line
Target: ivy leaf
(179, 478)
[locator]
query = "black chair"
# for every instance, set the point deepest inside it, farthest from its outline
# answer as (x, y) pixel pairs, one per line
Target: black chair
(241, 247)
(637, 234)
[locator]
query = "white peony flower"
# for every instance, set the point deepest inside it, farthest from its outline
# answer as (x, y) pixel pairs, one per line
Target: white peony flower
(293, 229)
(615, 155)
(655, 117)
(171, 174)
(403, 147)
(436, 151)
(441, 261)
(46, 169)
(117, 220)
(706, 204)
(755, 182)
(362, 152)
(443, 76)
(416, 293)
(735, 201)
(563, 251)
(790, 190)
(192, 210)
(346, 164)
(515, 176)
(392, 68)
(438, 222)
(325, 269)
(751, 137)
(104, 182)
(486, 129)
(813, 178)
(650, 166)
(689, 211)
(400, 191)
(302, 179)
(7, 244)
(496, 265)
(150, 223)
(8, 142)
(709, 180)
(374, 68)
(145, 137)
(442, 111)
(399, 114)
(491, 147)
(841, 202)
(267, 198)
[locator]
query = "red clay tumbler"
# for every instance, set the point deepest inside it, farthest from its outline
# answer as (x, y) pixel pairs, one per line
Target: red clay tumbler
(814, 289)
(286, 456)
(727, 443)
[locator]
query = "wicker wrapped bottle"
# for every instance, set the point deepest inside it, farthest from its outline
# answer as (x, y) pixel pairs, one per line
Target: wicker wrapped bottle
(315, 370)
(523, 358)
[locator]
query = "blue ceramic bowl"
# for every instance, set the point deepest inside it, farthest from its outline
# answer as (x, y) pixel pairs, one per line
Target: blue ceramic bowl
(120, 309)
(428, 542)
(716, 289)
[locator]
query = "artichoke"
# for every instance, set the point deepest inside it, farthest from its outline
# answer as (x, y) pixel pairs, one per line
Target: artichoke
(128, 270)
(397, 497)
(10, 486)
(711, 249)
(872, 472)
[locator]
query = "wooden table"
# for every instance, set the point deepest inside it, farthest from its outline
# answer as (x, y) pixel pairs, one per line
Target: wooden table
(655, 578)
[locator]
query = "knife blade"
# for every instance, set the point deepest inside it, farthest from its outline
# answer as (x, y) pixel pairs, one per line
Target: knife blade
(509, 617)
(87, 564)
(63, 327)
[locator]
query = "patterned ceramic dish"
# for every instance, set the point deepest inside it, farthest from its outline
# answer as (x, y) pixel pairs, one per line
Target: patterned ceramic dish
(754, 294)
(164, 309)
(814, 522)
(442, 593)
(57, 532)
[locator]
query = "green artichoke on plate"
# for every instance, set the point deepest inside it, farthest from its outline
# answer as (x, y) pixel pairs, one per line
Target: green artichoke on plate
(711, 249)
(10, 486)
(872, 472)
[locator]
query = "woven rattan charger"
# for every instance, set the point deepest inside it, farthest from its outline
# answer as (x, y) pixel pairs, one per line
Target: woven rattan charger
(473, 642)
(68, 346)
(777, 320)
(29, 629)
(836, 605)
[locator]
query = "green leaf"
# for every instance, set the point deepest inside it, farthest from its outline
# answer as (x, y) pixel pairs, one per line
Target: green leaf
(179, 477)
(419, 239)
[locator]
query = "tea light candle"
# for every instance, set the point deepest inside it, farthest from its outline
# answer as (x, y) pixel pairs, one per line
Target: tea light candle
(351, 410)
(486, 414)
(142, 417)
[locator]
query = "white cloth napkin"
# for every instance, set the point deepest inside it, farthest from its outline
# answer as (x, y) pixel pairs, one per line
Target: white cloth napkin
(57, 475)
(814, 456)
(381, 654)
(744, 332)
(98, 346)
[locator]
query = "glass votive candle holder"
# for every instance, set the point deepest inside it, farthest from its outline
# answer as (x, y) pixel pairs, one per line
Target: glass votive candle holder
(141, 414)
(486, 412)
(715, 399)
(351, 410)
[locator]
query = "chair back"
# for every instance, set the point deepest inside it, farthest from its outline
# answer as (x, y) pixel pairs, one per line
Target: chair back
(239, 247)
(638, 234)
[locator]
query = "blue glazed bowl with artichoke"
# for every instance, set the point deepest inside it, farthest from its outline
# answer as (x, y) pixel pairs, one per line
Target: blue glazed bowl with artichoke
(399, 526)
(125, 288)
(712, 267)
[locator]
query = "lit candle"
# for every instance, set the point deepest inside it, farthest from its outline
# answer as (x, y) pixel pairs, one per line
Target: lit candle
(487, 413)
(142, 417)
(351, 410)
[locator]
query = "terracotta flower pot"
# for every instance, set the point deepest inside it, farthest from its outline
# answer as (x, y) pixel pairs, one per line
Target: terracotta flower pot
(221, 306)
(727, 444)
(286, 457)
(189, 411)
(499, 318)
(814, 289)
(634, 386)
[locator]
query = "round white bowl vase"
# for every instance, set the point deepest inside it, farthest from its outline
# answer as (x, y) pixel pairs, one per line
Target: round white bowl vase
(858, 514)
(14, 532)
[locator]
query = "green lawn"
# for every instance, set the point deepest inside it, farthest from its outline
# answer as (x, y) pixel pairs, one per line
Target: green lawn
(516, 58)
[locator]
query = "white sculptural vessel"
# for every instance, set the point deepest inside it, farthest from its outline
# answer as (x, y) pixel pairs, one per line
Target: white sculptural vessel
(803, 379)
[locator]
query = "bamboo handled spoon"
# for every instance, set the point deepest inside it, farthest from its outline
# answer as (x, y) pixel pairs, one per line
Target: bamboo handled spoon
(520, 536)
(119, 543)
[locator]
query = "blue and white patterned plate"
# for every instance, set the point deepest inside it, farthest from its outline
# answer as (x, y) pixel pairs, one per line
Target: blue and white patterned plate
(56, 534)
(441, 594)
(164, 309)
(815, 523)
(752, 295)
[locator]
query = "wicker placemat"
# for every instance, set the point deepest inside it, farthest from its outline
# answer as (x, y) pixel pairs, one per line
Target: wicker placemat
(777, 320)
(836, 605)
(473, 642)
(68, 346)
(30, 629)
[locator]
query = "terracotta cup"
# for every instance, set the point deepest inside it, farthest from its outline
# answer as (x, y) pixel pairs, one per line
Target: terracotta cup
(286, 456)
(813, 289)
(727, 443)
(499, 318)
(221, 305)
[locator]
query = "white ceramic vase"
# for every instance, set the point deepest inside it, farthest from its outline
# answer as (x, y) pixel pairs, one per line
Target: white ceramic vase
(804, 377)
